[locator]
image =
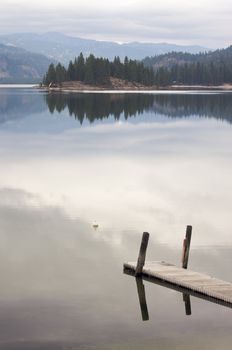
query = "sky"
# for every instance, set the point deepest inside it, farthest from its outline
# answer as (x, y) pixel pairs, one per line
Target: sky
(202, 22)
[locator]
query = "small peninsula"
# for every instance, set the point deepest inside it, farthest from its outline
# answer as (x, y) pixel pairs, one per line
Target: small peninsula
(93, 73)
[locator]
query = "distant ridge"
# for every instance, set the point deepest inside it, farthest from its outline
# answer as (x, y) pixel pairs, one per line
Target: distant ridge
(170, 59)
(21, 66)
(63, 48)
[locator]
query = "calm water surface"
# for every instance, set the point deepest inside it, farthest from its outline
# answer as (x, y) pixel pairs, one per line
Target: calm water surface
(131, 163)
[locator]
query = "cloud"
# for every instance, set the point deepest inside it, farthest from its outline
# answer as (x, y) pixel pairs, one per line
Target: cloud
(199, 22)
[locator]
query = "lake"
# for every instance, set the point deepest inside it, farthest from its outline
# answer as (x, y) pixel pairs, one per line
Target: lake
(127, 163)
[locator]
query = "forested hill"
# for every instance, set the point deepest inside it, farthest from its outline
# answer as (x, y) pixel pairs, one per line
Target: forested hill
(212, 68)
(20, 66)
(168, 60)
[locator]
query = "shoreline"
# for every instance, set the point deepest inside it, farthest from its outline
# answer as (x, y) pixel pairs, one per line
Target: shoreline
(88, 88)
(111, 89)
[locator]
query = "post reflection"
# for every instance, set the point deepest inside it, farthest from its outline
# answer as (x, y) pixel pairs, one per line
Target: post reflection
(142, 298)
(187, 302)
(143, 302)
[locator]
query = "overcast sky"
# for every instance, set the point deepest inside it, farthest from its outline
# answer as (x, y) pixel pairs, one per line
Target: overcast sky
(204, 22)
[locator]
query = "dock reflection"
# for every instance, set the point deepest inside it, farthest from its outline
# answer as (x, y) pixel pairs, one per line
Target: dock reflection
(186, 294)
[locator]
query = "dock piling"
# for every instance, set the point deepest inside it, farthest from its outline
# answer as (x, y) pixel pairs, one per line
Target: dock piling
(142, 254)
(186, 247)
(177, 278)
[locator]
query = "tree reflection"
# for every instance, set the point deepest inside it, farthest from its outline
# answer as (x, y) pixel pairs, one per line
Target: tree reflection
(98, 106)
(218, 106)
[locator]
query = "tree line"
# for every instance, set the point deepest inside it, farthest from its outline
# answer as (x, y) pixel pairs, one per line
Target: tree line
(206, 68)
(213, 68)
(197, 73)
(98, 71)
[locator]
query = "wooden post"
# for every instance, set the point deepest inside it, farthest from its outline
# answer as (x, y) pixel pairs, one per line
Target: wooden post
(142, 254)
(186, 247)
(142, 299)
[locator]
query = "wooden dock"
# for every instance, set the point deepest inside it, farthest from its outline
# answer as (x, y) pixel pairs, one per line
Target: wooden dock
(181, 277)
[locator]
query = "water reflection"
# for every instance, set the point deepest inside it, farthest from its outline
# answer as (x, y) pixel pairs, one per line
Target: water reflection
(62, 285)
(186, 292)
(218, 106)
(62, 288)
(99, 106)
(15, 105)
(187, 303)
(143, 302)
(142, 298)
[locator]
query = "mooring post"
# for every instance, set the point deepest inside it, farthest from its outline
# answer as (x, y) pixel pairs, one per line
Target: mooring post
(186, 247)
(142, 254)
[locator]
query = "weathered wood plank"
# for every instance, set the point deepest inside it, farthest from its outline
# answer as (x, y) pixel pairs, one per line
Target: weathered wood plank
(182, 277)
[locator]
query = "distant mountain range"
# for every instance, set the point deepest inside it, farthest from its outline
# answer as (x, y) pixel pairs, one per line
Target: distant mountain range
(21, 66)
(63, 48)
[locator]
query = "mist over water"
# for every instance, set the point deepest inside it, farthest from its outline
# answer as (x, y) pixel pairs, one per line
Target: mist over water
(130, 163)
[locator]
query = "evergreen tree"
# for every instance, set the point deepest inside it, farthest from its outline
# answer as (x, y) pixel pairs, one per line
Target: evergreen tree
(50, 76)
(60, 73)
(126, 69)
(71, 71)
(90, 70)
(81, 66)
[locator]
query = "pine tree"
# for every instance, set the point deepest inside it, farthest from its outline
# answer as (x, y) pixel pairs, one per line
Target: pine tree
(81, 66)
(50, 77)
(60, 73)
(126, 69)
(71, 71)
(90, 70)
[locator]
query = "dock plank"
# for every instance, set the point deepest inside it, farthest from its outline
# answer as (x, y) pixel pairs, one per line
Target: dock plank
(194, 281)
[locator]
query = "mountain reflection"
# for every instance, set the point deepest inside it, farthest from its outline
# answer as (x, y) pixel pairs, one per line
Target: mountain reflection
(92, 106)
(16, 104)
